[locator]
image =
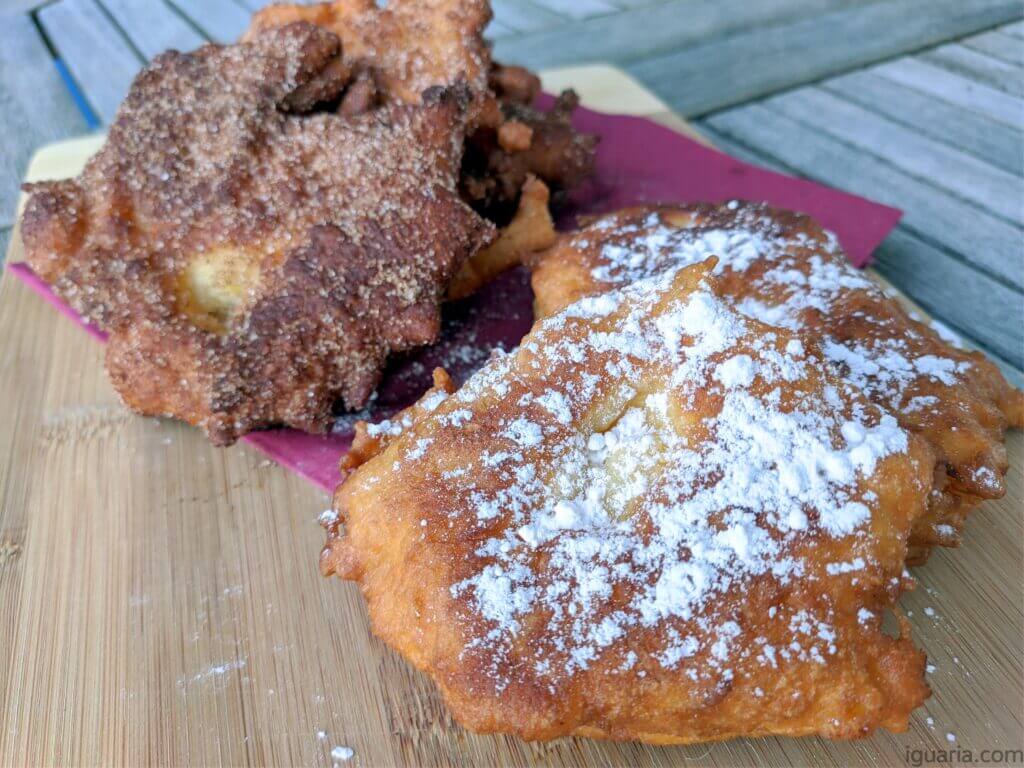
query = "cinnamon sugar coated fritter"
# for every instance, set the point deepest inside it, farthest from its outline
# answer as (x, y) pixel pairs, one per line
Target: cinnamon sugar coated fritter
(410, 44)
(782, 268)
(658, 519)
(407, 46)
(253, 262)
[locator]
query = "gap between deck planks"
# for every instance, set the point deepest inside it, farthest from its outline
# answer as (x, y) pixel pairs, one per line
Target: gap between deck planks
(35, 105)
(717, 74)
(161, 604)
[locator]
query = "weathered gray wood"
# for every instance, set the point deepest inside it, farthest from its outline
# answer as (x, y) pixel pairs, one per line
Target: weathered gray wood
(523, 17)
(948, 86)
(152, 26)
(990, 243)
(1016, 29)
(946, 167)
(998, 44)
(994, 142)
(94, 50)
(35, 106)
(578, 9)
(654, 28)
(761, 61)
(496, 29)
(741, 151)
(222, 21)
(988, 311)
(978, 66)
(638, 3)
(16, 7)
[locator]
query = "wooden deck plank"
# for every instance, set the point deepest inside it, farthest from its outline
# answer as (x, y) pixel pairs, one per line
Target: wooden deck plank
(998, 44)
(153, 27)
(11, 8)
(978, 66)
(523, 17)
(650, 29)
(80, 30)
(34, 102)
(222, 21)
(994, 142)
(989, 243)
(945, 167)
(956, 89)
(972, 302)
(761, 61)
(496, 29)
(578, 9)
(1016, 29)
(626, 4)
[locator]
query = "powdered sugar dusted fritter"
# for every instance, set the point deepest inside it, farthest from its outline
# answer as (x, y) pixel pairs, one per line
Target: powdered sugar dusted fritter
(657, 519)
(782, 268)
(254, 265)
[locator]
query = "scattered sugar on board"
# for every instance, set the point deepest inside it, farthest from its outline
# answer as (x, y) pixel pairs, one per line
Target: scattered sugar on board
(212, 672)
(342, 754)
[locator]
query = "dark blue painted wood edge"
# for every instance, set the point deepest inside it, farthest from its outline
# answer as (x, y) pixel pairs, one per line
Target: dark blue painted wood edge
(80, 101)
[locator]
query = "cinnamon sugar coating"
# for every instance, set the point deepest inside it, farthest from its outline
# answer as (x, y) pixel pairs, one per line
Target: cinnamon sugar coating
(409, 45)
(253, 262)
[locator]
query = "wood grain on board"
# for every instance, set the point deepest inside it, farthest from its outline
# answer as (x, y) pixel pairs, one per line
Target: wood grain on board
(160, 601)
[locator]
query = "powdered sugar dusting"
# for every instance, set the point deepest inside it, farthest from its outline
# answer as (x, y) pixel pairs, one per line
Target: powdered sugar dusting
(785, 276)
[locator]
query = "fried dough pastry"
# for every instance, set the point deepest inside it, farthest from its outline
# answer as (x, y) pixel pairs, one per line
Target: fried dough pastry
(784, 269)
(253, 265)
(407, 47)
(530, 231)
(657, 519)
(526, 142)
(398, 51)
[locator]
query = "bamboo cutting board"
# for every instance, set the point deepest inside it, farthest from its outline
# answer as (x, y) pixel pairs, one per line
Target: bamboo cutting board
(160, 601)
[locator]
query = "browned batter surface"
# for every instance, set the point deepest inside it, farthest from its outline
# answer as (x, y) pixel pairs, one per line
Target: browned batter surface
(409, 45)
(784, 269)
(254, 262)
(658, 519)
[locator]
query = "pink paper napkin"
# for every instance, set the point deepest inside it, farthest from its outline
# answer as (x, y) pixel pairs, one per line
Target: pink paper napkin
(637, 161)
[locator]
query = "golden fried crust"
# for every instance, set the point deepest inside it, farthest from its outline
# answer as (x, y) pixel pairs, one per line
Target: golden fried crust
(619, 531)
(410, 45)
(251, 264)
(510, 83)
(398, 51)
(531, 230)
(782, 267)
